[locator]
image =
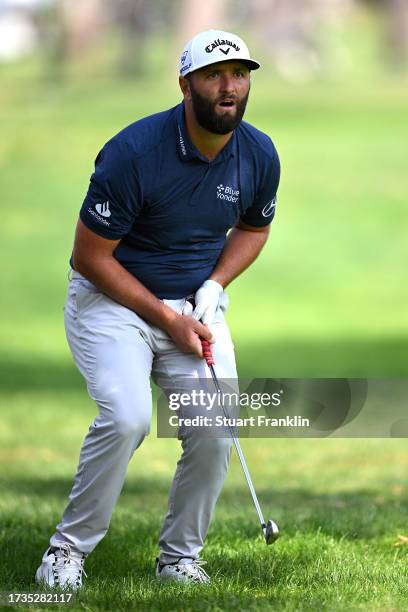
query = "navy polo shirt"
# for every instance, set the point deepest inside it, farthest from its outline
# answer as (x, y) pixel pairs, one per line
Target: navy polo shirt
(170, 207)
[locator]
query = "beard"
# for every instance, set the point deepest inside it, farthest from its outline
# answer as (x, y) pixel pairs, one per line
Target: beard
(210, 120)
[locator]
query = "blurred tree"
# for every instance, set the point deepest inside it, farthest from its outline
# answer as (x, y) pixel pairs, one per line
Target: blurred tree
(137, 22)
(72, 29)
(134, 20)
(69, 30)
(293, 32)
(83, 24)
(198, 16)
(394, 14)
(52, 34)
(398, 11)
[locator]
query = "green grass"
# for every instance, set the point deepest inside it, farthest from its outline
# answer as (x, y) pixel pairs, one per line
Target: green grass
(340, 505)
(332, 272)
(326, 298)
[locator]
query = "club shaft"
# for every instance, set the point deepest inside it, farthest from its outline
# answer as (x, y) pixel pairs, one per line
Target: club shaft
(239, 451)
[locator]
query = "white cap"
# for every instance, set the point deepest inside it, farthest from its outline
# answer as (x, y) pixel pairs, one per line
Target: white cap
(214, 46)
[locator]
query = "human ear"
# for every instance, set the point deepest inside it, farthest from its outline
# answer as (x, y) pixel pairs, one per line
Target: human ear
(185, 87)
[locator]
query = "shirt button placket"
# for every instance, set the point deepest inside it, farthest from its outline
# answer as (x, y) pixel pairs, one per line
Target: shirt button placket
(197, 193)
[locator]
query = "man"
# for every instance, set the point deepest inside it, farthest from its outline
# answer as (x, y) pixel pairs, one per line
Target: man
(152, 232)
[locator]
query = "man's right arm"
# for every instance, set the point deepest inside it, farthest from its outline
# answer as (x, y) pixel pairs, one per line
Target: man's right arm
(93, 258)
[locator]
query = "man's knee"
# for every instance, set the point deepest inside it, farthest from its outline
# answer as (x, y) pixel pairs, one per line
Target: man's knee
(127, 409)
(212, 452)
(128, 425)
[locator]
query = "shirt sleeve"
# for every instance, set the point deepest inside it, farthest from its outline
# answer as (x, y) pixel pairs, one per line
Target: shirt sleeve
(262, 210)
(114, 197)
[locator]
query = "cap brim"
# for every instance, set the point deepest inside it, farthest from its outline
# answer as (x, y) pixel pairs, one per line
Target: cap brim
(252, 64)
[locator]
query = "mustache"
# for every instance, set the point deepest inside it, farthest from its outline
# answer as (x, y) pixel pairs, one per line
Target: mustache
(231, 98)
(208, 115)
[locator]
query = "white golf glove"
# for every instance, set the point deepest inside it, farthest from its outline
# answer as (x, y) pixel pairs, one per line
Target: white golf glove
(208, 299)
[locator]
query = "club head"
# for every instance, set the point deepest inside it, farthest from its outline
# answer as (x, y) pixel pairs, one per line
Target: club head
(271, 532)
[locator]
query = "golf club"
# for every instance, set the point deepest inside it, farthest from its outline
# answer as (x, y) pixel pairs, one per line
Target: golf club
(270, 529)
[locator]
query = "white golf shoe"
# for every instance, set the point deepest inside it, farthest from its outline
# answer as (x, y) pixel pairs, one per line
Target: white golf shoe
(183, 570)
(61, 567)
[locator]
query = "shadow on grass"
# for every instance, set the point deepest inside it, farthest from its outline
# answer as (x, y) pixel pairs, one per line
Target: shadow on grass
(346, 358)
(310, 523)
(381, 358)
(356, 514)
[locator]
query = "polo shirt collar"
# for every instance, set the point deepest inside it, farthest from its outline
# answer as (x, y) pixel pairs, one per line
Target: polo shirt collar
(187, 150)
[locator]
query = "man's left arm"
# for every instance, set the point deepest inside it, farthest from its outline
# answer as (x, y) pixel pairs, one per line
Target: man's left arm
(244, 242)
(243, 245)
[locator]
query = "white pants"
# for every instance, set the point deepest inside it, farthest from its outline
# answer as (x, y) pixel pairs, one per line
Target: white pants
(116, 352)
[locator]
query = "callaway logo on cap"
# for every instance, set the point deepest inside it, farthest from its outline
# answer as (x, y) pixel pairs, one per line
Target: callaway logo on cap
(214, 46)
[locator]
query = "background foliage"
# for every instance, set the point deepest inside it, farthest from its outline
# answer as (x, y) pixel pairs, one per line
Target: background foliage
(327, 297)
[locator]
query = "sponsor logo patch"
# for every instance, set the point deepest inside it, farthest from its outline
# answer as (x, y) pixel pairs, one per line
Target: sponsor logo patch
(181, 141)
(269, 208)
(221, 42)
(186, 67)
(227, 193)
(98, 217)
(103, 209)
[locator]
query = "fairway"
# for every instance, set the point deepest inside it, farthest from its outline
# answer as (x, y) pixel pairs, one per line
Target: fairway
(327, 297)
(338, 506)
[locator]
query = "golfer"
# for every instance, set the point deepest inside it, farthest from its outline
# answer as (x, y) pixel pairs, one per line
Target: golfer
(152, 232)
